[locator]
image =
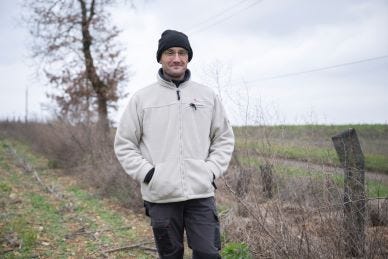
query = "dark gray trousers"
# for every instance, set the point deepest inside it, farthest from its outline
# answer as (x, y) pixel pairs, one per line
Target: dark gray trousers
(198, 217)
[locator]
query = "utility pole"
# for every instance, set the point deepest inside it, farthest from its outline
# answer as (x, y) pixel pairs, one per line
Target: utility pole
(26, 106)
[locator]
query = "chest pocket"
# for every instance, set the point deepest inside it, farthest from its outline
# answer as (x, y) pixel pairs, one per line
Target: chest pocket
(198, 104)
(198, 111)
(159, 118)
(197, 119)
(160, 131)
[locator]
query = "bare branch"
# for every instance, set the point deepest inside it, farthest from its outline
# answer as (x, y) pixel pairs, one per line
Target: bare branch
(138, 245)
(76, 47)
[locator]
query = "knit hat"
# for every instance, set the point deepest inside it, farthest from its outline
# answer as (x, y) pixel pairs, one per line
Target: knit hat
(170, 39)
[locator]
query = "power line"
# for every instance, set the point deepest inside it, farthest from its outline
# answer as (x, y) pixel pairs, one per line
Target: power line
(202, 28)
(226, 18)
(316, 69)
(216, 15)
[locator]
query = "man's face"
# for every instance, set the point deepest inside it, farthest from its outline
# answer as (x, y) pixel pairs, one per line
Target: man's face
(174, 63)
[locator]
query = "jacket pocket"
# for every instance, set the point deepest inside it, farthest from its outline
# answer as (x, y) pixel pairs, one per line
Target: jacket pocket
(196, 130)
(166, 182)
(198, 177)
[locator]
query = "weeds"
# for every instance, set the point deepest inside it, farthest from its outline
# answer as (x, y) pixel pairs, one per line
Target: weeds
(305, 215)
(37, 224)
(18, 233)
(303, 219)
(236, 251)
(80, 149)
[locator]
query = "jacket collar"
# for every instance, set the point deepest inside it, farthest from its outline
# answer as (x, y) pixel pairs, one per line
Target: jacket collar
(169, 83)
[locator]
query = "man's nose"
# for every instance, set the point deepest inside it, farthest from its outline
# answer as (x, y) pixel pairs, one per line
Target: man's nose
(176, 57)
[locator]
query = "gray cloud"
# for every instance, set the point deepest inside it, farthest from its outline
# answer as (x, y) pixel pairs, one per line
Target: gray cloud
(267, 39)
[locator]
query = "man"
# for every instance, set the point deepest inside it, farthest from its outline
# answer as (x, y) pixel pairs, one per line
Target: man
(174, 138)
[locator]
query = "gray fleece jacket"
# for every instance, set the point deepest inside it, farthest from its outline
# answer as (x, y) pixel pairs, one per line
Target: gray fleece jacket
(181, 132)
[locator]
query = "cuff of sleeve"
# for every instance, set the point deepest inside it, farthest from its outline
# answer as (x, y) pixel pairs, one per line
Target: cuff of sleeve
(213, 168)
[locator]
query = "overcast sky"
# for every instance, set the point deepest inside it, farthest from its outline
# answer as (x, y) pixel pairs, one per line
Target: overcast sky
(278, 61)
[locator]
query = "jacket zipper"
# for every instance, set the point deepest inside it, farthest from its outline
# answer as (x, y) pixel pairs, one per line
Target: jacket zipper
(180, 143)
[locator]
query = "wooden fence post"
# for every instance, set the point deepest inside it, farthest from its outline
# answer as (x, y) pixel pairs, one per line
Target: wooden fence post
(352, 160)
(267, 179)
(242, 188)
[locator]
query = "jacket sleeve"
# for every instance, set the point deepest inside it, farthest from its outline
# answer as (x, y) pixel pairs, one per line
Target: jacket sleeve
(127, 141)
(222, 140)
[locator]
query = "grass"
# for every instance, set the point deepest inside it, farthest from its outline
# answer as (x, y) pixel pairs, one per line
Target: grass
(33, 223)
(92, 205)
(47, 227)
(313, 143)
(377, 163)
(19, 228)
(236, 251)
(374, 188)
(373, 162)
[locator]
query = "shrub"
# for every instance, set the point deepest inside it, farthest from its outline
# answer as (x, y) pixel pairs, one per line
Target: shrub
(81, 150)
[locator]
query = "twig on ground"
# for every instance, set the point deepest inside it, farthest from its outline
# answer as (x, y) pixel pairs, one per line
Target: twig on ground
(27, 167)
(7, 250)
(82, 231)
(138, 245)
(152, 249)
(112, 229)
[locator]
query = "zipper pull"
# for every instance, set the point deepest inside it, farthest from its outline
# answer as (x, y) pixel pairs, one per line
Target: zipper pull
(178, 94)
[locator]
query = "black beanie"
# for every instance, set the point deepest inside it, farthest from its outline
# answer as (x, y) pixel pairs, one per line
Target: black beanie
(170, 39)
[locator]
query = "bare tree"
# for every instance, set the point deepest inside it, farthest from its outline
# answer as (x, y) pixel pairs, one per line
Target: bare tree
(76, 49)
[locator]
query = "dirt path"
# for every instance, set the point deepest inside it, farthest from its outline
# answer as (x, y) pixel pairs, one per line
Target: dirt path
(329, 169)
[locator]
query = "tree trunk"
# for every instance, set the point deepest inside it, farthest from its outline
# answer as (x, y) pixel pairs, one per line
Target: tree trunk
(103, 121)
(98, 85)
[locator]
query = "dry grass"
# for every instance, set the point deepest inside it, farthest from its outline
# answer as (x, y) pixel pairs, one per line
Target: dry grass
(83, 150)
(304, 219)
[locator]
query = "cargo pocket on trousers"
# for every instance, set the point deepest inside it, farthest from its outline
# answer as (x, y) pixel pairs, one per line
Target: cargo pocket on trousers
(162, 236)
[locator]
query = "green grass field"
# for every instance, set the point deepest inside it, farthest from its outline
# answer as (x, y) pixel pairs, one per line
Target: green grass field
(312, 143)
